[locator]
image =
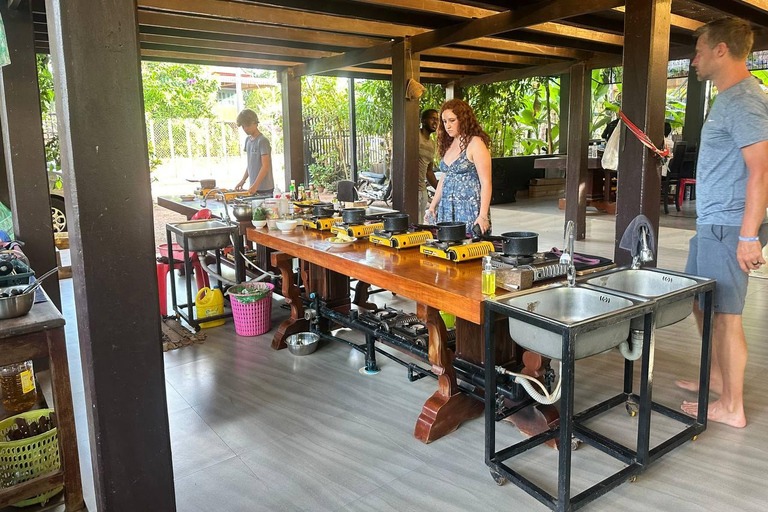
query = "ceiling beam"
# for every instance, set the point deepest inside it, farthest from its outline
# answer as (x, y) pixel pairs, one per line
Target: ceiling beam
(557, 68)
(564, 30)
(676, 21)
(267, 49)
(755, 11)
(344, 60)
(508, 20)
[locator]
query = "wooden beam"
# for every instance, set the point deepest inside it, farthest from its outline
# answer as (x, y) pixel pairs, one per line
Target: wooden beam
(677, 21)
(249, 48)
(453, 91)
(104, 160)
(24, 147)
(293, 128)
(517, 74)
(754, 11)
(510, 20)
(578, 140)
(206, 57)
(561, 29)
(250, 29)
(480, 55)
(643, 101)
(351, 58)
(405, 131)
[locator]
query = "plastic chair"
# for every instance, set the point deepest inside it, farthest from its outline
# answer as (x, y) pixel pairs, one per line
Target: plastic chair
(163, 267)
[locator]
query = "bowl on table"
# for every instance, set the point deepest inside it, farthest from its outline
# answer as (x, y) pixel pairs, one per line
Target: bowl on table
(17, 305)
(303, 343)
(259, 223)
(286, 226)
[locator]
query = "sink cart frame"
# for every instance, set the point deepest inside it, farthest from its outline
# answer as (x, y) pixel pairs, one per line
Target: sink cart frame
(572, 424)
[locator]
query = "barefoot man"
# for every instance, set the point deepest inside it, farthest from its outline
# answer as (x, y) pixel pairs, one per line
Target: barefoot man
(732, 196)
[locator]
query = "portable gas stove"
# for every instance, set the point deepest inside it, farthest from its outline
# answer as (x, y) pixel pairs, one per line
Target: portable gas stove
(463, 250)
(400, 239)
(320, 223)
(520, 272)
(356, 230)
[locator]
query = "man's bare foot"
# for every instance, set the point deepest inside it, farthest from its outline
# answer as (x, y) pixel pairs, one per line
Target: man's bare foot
(719, 413)
(693, 385)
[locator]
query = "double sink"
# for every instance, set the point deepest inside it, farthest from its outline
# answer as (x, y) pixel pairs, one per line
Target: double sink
(607, 299)
(203, 235)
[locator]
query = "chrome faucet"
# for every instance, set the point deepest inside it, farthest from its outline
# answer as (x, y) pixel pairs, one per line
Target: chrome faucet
(566, 258)
(645, 255)
(226, 208)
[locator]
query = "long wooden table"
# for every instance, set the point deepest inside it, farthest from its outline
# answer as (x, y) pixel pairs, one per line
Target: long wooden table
(434, 284)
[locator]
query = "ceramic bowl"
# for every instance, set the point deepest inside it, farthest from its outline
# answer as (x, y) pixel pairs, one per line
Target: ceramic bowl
(259, 223)
(286, 226)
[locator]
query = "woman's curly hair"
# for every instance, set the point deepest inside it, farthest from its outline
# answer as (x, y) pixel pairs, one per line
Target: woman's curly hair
(468, 126)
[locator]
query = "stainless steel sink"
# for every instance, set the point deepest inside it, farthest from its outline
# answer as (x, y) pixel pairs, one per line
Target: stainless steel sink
(203, 235)
(568, 306)
(651, 284)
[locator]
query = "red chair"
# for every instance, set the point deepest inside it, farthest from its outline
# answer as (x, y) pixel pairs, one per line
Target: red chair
(163, 268)
(684, 182)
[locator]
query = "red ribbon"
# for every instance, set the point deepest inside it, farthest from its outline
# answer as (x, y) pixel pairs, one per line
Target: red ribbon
(642, 137)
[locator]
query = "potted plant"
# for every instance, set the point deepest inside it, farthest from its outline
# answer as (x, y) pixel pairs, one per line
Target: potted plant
(260, 217)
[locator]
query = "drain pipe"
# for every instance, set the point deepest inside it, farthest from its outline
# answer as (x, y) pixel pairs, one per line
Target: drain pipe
(632, 349)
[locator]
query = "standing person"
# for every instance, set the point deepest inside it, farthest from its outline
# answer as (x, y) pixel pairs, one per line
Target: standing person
(732, 196)
(429, 121)
(259, 156)
(464, 191)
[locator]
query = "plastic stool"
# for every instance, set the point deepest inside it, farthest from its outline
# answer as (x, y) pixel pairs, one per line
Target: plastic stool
(163, 268)
(684, 182)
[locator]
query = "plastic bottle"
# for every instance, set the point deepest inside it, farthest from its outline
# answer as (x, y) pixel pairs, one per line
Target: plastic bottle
(17, 387)
(302, 196)
(292, 191)
(489, 277)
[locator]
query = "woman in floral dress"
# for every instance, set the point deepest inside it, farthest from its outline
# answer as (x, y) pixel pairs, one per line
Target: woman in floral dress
(464, 191)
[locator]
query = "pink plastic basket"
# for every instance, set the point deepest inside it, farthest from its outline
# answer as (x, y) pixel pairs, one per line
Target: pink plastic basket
(253, 319)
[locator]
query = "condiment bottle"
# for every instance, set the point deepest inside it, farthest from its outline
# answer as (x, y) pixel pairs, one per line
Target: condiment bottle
(489, 277)
(17, 387)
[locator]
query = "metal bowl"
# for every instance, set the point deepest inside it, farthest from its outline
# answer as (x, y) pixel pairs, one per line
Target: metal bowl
(303, 343)
(19, 305)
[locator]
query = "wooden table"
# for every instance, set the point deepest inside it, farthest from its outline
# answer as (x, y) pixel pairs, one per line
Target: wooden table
(37, 335)
(599, 181)
(434, 284)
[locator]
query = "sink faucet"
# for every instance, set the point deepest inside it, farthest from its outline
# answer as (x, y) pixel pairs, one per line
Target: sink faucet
(645, 255)
(566, 258)
(226, 208)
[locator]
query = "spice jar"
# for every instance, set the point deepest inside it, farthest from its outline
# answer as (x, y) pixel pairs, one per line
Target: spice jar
(17, 387)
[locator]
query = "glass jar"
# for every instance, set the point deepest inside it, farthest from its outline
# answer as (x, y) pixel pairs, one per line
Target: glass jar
(17, 387)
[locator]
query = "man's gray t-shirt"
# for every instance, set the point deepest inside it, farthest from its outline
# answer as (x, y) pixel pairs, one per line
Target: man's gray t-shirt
(254, 149)
(739, 118)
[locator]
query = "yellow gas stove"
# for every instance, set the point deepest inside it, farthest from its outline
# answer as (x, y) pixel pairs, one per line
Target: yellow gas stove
(358, 230)
(321, 224)
(457, 251)
(400, 240)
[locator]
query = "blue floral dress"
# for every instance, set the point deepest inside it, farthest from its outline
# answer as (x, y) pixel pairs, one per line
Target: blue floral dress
(460, 201)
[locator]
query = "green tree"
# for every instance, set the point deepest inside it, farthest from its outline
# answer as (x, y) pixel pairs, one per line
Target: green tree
(47, 108)
(178, 91)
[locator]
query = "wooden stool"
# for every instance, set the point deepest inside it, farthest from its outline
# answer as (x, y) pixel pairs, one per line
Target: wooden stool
(36, 335)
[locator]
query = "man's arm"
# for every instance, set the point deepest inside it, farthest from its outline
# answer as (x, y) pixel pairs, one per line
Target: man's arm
(431, 179)
(266, 168)
(240, 185)
(756, 158)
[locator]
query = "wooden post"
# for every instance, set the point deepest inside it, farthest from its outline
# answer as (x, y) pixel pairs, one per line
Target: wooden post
(293, 128)
(453, 91)
(24, 147)
(565, 92)
(694, 108)
(646, 48)
(352, 131)
(578, 139)
(405, 131)
(115, 280)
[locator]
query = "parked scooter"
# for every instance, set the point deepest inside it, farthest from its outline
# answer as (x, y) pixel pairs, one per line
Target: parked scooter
(373, 187)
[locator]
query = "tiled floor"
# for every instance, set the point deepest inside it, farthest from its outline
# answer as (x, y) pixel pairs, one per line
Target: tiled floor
(253, 429)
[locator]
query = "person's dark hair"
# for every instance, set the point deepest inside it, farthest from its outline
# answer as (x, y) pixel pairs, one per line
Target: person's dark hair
(734, 32)
(468, 125)
(667, 129)
(247, 117)
(427, 113)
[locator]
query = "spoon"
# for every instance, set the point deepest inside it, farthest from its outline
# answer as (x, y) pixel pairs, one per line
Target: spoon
(34, 286)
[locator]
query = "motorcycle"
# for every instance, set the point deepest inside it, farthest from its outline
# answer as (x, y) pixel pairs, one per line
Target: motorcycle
(373, 187)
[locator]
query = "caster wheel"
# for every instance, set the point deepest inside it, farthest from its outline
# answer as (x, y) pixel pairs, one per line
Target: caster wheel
(498, 478)
(633, 479)
(694, 438)
(631, 409)
(575, 443)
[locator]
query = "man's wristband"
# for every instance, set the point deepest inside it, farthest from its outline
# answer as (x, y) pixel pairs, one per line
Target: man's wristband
(749, 239)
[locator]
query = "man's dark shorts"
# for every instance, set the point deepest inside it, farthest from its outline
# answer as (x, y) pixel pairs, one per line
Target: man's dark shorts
(712, 254)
